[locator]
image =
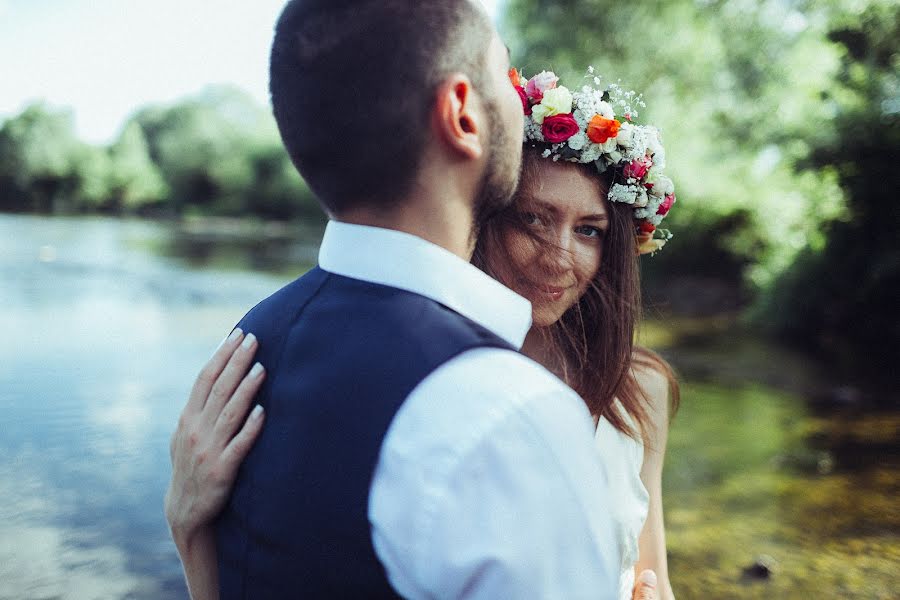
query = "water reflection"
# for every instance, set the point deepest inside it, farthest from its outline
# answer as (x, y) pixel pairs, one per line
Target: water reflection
(42, 557)
(102, 342)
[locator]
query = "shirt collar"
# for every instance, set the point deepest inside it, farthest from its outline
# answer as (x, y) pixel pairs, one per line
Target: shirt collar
(407, 262)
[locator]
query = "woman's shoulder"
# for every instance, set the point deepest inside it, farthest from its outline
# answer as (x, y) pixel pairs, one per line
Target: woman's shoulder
(652, 380)
(657, 383)
(658, 386)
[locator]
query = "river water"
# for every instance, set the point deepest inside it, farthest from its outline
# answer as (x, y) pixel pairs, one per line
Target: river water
(106, 322)
(102, 340)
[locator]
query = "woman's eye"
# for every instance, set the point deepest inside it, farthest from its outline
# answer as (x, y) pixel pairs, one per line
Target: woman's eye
(589, 231)
(530, 218)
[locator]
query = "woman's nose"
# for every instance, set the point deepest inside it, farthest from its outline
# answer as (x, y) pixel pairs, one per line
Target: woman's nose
(559, 256)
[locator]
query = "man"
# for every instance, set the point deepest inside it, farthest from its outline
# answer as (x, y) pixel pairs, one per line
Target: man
(409, 449)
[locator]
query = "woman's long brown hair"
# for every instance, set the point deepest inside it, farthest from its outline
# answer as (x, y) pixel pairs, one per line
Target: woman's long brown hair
(593, 342)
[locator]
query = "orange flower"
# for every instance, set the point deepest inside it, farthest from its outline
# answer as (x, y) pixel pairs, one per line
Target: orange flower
(600, 129)
(514, 76)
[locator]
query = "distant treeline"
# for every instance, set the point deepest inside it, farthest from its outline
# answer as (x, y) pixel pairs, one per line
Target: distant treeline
(217, 153)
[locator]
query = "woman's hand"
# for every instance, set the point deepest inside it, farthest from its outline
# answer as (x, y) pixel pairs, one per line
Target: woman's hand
(645, 587)
(212, 439)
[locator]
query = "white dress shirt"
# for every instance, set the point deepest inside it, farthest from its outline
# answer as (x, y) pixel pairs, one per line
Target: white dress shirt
(488, 484)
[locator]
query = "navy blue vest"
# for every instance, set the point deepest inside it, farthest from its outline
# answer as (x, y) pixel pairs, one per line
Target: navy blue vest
(341, 357)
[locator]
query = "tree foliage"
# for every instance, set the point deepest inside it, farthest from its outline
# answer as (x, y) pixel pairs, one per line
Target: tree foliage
(38, 150)
(842, 297)
(734, 85)
(780, 119)
(215, 153)
(135, 181)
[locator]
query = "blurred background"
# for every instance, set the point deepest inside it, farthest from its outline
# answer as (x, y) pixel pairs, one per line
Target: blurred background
(146, 204)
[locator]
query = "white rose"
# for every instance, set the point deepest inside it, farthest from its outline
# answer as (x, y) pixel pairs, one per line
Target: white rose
(558, 100)
(626, 135)
(663, 186)
(539, 112)
(655, 147)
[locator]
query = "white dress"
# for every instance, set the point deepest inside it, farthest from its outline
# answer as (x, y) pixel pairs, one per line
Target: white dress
(623, 457)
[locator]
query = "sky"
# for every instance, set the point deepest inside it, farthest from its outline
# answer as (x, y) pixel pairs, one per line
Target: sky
(106, 58)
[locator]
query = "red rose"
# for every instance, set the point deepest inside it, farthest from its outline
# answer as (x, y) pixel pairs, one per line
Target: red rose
(526, 105)
(559, 128)
(647, 227)
(666, 205)
(638, 168)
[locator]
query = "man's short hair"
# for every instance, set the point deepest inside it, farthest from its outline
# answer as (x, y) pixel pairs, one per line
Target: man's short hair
(353, 84)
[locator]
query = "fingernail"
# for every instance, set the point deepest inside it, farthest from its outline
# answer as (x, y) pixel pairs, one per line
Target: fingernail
(256, 412)
(647, 577)
(230, 338)
(256, 371)
(234, 335)
(249, 340)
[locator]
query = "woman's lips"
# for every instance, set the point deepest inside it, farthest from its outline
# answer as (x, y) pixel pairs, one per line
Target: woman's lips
(547, 292)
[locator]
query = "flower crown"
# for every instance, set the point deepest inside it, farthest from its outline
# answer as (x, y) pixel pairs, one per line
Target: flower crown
(582, 127)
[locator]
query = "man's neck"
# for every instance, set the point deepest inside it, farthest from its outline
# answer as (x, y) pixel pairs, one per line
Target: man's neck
(448, 225)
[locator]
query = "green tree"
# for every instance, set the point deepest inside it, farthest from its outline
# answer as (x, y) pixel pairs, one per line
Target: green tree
(38, 151)
(135, 180)
(215, 153)
(841, 298)
(91, 174)
(203, 147)
(278, 191)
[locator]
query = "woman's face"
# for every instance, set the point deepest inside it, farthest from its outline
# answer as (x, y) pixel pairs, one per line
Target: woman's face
(563, 207)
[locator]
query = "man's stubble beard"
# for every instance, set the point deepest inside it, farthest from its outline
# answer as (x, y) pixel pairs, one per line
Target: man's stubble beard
(501, 174)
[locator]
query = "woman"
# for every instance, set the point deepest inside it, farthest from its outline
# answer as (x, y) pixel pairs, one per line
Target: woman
(592, 193)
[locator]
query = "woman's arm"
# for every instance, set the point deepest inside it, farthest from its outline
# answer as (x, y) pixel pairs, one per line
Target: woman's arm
(211, 441)
(199, 560)
(652, 541)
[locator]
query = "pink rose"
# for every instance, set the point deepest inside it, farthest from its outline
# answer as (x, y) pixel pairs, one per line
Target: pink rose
(638, 168)
(666, 205)
(540, 83)
(559, 128)
(526, 105)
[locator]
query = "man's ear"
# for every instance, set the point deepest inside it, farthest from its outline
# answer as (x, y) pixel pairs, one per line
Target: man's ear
(459, 117)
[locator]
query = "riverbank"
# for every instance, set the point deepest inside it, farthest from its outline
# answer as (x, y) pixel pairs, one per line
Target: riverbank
(782, 475)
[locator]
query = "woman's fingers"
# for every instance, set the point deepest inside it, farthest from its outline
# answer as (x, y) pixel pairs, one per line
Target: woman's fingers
(240, 444)
(227, 381)
(235, 410)
(211, 371)
(645, 588)
(212, 436)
